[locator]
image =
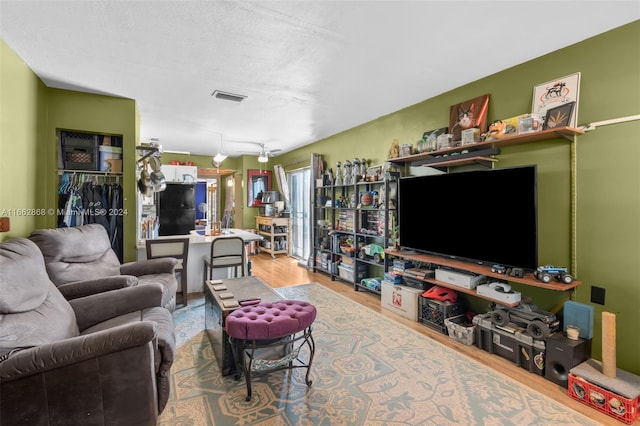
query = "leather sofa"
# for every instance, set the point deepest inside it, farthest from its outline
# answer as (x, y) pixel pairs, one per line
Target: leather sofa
(102, 359)
(75, 257)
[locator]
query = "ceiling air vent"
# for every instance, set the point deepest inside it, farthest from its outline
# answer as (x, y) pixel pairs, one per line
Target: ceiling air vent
(219, 94)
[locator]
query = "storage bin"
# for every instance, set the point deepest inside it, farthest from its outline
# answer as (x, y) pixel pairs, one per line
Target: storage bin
(79, 151)
(432, 313)
(516, 346)
(346, 272)
(460, 330)
(400, 299)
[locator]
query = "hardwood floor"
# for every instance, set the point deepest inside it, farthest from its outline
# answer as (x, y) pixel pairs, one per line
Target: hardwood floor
(285, 271)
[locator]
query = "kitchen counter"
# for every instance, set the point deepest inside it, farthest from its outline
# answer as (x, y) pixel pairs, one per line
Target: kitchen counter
(199, 248)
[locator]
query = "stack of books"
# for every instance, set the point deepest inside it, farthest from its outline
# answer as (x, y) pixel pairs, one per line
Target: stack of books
(399, 265)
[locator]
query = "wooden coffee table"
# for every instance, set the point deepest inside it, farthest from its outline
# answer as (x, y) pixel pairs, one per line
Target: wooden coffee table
(245, 288)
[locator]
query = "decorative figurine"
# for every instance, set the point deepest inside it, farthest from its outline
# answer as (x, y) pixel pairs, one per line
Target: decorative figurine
(338, 180)
(394, 150)
(328, 177)
(356, 170)
(347, 173)
(363, 168)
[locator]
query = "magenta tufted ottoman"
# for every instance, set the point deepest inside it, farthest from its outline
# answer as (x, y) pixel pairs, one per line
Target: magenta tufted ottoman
(285, 324)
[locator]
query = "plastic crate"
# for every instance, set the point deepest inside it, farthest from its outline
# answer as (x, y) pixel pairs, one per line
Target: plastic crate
(432, 313)
(460, 329)
(346, 272)
(610, 403)
(79, 151)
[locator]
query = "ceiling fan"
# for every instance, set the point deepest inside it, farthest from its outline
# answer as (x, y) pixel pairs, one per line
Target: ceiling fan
(263, 153)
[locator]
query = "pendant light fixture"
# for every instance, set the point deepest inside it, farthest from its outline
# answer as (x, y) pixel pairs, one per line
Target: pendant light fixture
(263, 157)
(219, 157)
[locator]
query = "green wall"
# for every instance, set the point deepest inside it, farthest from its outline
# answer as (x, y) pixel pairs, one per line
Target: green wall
(70, 110)
(607, 250)
(23, 169)
(31, 116)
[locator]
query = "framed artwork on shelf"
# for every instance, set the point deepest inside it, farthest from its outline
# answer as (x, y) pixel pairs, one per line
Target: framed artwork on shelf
(554, 93)
(559, 116)
(258, 182)
(468, 114)
(430, 138)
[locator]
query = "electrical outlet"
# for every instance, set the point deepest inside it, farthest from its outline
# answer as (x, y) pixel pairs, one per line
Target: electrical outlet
(597, 295)
(5, 224)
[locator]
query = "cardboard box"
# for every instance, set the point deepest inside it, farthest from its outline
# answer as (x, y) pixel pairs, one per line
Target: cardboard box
(110, 159)
(400, 299)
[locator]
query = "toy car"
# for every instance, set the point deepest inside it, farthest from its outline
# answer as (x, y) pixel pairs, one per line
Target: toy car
(374, 283)
(539, 323)
(548, 272)
(499, 269)
(372, 250)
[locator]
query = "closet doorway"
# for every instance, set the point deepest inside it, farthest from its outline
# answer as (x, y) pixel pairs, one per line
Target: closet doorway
(300, 183)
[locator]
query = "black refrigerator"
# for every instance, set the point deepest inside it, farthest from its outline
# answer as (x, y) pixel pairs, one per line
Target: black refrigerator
(176, 209)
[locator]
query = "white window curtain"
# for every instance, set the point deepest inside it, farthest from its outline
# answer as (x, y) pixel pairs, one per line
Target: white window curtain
(227, 219)
(281, 178)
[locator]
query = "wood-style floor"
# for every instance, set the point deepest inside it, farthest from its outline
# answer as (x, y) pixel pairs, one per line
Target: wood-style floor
(285, 271)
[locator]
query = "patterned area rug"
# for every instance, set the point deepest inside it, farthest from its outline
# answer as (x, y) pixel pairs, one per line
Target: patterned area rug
(368, 370)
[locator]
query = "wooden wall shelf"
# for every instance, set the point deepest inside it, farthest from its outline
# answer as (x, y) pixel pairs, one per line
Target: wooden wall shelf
(528, 278)
(560, 132)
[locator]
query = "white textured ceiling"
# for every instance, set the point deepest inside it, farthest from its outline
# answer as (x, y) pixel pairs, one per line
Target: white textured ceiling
(309, 69)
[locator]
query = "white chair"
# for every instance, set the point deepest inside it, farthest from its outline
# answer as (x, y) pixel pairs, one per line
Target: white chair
(226, 252)
(177, 248)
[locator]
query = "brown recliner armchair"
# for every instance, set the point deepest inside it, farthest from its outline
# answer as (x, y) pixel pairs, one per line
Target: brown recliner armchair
(102, 359)
(75, 257)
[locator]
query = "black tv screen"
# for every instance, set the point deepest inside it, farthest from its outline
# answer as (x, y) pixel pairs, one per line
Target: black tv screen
(486, 216)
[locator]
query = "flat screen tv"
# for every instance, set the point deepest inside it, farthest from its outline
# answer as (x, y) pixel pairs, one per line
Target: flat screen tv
(486, 216)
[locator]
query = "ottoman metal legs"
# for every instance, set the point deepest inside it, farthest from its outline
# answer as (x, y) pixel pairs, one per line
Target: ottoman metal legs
(256, 357)
(272, 336)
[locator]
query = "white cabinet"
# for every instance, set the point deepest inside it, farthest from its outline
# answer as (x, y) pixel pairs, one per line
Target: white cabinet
(187, 174)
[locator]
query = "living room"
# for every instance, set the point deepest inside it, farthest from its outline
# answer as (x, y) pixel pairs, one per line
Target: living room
(602, 246)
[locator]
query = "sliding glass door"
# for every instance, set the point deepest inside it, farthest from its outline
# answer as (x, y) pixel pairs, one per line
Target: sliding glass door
(300, 184)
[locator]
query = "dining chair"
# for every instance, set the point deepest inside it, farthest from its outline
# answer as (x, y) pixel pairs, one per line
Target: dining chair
(177, 248)
(226, 252)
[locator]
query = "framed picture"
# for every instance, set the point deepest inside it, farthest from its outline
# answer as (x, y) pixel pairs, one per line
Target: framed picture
(258, 182)
(430, 138)
(557, 92)
(468, 114)
(559, 116)
(374, 173)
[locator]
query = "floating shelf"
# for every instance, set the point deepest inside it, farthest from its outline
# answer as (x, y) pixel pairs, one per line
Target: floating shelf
(528, 278)
(431, 158)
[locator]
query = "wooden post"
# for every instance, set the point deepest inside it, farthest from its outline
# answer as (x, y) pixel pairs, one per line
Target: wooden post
(609, 344)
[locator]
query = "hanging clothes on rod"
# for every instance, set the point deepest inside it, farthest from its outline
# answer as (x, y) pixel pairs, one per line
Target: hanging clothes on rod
(85, 198)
